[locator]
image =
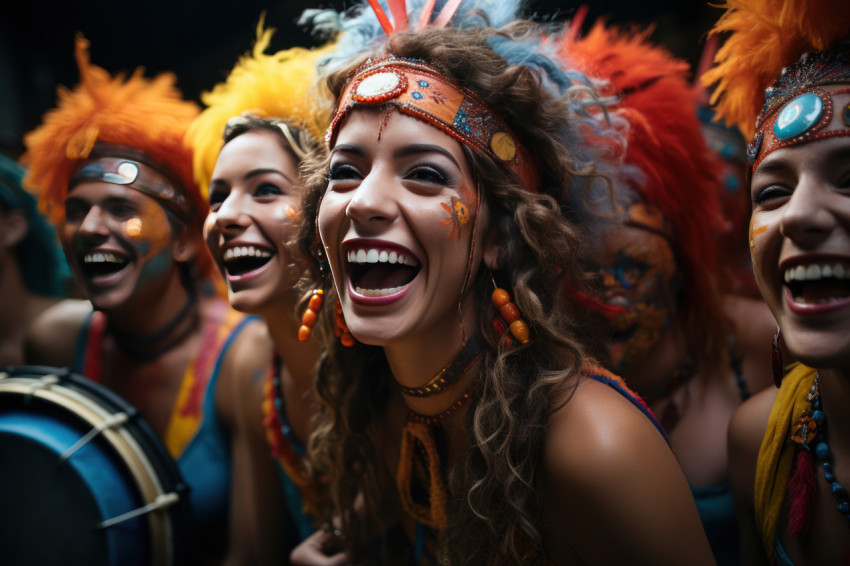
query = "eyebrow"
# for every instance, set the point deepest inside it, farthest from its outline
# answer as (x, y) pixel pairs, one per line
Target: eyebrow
(406, 151)
(105, 202)
(839, 154)
(348, 148)
(254, 173)
(415, 149)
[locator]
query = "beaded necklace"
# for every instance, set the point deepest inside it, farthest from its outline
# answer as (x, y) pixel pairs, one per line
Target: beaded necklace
(285, 447)
(420, 428)
(449, 375)
(810, 434)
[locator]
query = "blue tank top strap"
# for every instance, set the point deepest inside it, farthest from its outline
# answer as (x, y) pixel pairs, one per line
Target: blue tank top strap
(209, 401)
(633, 399)
(205, 462)
(82, 344)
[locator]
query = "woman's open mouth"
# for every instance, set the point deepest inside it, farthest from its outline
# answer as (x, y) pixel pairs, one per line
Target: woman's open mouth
(380, 272)
(241, 262)
(818, 287)
(818, 283)
(100, 267)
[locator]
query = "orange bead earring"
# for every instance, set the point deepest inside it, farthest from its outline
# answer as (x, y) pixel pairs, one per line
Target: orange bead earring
(510, 313)
(341, 329)
(311, 315)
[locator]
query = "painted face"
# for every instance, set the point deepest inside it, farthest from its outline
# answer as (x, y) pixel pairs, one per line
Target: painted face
(800, 242)
(117, 242)
(639, 275)
(397, 222)
(253, 216)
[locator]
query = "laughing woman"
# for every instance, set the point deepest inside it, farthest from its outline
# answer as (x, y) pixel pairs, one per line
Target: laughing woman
(441, 215)
(251, 178)
(790, 449)
(113, 174)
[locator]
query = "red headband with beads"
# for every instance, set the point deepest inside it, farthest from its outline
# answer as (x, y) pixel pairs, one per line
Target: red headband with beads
(420, 91)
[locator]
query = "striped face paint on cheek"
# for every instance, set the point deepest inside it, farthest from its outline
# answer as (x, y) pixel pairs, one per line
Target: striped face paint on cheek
(753, 233)
(149, 235)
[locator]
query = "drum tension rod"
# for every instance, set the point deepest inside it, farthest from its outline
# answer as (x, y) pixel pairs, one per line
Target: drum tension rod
(162, 501)
(109, 421)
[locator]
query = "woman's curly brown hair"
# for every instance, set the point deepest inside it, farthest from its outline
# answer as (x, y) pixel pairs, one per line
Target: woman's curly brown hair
(494, 509)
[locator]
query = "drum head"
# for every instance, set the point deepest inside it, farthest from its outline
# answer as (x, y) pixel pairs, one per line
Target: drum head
(59, 487)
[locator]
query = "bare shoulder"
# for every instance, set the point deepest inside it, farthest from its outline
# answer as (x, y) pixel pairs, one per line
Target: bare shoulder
(746, 431)
(246, 363)
(598, 428)
(53, 335)
(610, 480)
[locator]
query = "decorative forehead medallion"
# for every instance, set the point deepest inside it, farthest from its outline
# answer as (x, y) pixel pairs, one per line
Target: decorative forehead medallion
(380, 87)
(798, 116)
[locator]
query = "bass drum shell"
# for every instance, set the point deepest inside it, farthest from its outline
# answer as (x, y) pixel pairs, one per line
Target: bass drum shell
(58, 488)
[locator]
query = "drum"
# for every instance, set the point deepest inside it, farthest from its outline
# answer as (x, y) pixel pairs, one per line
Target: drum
(83, 478)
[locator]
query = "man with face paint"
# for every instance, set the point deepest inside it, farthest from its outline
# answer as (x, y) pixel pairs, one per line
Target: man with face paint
(112, 172)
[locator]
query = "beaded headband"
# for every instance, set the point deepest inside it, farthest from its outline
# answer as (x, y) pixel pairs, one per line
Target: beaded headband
(422, 92)
(797, 110)
(125, 166)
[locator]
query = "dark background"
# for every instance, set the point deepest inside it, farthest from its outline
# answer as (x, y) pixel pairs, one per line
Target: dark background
(201, 40)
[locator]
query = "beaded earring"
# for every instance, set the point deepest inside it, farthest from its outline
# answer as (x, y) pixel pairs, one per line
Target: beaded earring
(341, 329)
(776, 358)
(510, 313)
(311, 315)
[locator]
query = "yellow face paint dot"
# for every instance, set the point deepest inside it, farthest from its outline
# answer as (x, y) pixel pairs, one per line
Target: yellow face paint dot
(503, 146)
(133, 227)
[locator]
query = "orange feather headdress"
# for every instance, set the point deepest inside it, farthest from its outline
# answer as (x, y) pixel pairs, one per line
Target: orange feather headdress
(274, 86)
(148, 116)
(766, 36)
(665, 141)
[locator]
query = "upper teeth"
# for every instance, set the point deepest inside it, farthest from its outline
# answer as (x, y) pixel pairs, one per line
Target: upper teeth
(815, 272)
(242, 251)
(102, 258)
(374, 255)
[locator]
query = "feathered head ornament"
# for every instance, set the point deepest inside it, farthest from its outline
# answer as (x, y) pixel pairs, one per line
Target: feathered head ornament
(796, 46)
(367, 30)
(677, 171)
(275, 86)
(136, 120)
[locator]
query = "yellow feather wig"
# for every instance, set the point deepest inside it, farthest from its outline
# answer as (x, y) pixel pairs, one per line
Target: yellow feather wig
(767, 35)
(270, 86)
(148, 115)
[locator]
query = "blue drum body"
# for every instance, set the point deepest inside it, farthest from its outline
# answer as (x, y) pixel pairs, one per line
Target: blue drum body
(85, 480)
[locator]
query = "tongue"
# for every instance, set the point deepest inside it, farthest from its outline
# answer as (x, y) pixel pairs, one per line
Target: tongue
(816, 291)
(387, 276)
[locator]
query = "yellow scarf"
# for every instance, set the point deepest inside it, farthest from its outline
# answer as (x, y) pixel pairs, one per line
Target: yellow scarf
(776, 455)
